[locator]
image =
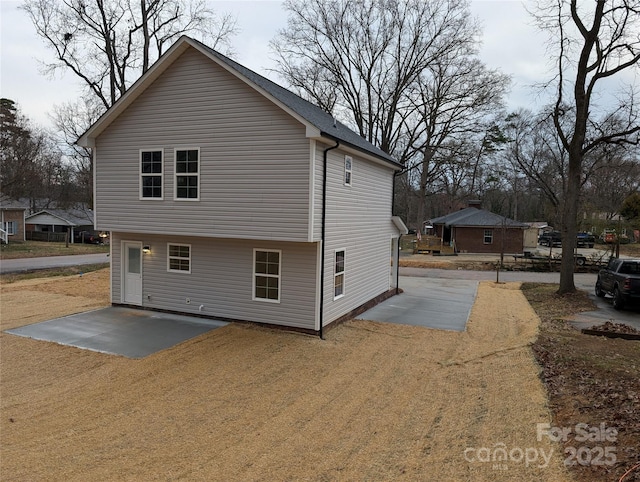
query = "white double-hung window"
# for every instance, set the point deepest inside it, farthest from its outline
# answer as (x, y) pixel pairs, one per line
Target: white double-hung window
(338, 274)
(348, 170)
(266, 274)
(151, 174)
(10, 227)
(187, 174)
(179, 258)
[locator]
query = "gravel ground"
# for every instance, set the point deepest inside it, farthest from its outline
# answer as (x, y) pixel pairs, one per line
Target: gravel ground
(373, 401)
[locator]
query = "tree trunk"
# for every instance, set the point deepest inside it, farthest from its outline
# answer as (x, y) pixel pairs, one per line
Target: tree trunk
(570, 224)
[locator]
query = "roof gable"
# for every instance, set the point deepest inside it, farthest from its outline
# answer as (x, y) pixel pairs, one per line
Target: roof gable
(72, 217)
(318, 122)
(471, 217)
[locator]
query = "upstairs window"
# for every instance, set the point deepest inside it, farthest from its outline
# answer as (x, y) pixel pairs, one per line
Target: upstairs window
(338, 274)
(348, 169)
(151, 174)
(187, 174)
(179, 258)
(266, 275)
(488, 236)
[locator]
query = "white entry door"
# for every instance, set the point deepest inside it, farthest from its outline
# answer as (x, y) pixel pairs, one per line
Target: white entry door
(132, 272)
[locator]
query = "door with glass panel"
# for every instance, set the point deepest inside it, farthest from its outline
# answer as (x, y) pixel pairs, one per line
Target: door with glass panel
(132, 273)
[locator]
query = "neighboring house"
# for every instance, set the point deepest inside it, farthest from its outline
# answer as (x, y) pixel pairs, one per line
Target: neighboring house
(228, 196)
(12, 220)
(58, 221)
(474, 230)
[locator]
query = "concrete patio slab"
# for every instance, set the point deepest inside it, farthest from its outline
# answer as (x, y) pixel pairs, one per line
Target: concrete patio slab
(119, 331)
(443, 304)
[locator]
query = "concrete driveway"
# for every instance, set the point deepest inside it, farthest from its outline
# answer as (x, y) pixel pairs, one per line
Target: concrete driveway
(119, 331)
(605, 312)
(440, 299)
(439, 303)
(583, 281)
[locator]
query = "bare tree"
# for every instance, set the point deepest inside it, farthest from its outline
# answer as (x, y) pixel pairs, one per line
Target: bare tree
(405, 74)
(31, 165)
(535, 150)
(360, 60)
(455, 104)
(108, 44)
(71, 120)
(617, 177)
(595, 42)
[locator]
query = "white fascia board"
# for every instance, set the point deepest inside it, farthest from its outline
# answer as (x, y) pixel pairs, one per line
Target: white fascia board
(358, 153)
(313, 132)
(29, 219)
(399, 224)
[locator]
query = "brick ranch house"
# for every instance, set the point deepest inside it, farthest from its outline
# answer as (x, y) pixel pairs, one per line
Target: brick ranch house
(475, 230)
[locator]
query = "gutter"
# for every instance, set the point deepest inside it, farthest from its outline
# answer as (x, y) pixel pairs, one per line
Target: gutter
(324, 228)
(393, 201)
(383, 156)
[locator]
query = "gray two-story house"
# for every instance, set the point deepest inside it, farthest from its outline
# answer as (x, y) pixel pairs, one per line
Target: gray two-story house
(230, 197)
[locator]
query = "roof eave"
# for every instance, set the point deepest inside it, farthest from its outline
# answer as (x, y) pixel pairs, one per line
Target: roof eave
(367, 154)
(313, 132)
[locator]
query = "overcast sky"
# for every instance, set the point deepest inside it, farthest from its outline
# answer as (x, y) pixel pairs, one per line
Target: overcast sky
(510, 44)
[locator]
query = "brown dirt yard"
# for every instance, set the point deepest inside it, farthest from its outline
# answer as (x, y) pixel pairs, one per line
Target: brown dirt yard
(373, 401)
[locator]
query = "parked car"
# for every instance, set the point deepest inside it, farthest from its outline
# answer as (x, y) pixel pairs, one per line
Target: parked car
(550, 238)
(586, 240)
(620, 279)
(87, 237)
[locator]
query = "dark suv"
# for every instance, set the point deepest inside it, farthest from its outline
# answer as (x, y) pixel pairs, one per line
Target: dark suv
(586, 240)
(550, 238)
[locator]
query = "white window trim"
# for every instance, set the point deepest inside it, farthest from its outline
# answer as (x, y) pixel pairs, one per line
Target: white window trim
(182, 271)
(350, 171)
(484, 236)
(176, 174)
(161, 175)
(14, 226)
(343, 273)
(278, 276)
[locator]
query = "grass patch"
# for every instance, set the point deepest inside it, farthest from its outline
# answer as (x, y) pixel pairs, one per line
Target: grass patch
(36, 249)
(52, 272)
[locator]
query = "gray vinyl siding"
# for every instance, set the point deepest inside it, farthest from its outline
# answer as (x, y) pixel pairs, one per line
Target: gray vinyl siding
(221, 279)
(317, 205)
(358, 220)
(254, 159)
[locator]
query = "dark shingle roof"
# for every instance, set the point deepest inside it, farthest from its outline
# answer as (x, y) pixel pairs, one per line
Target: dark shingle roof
(305, 111)
(6, 203)
(471, 217)
(310, 112)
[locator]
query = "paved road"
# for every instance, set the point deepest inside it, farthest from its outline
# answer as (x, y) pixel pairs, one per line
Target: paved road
(28, 264)
(583, 281)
